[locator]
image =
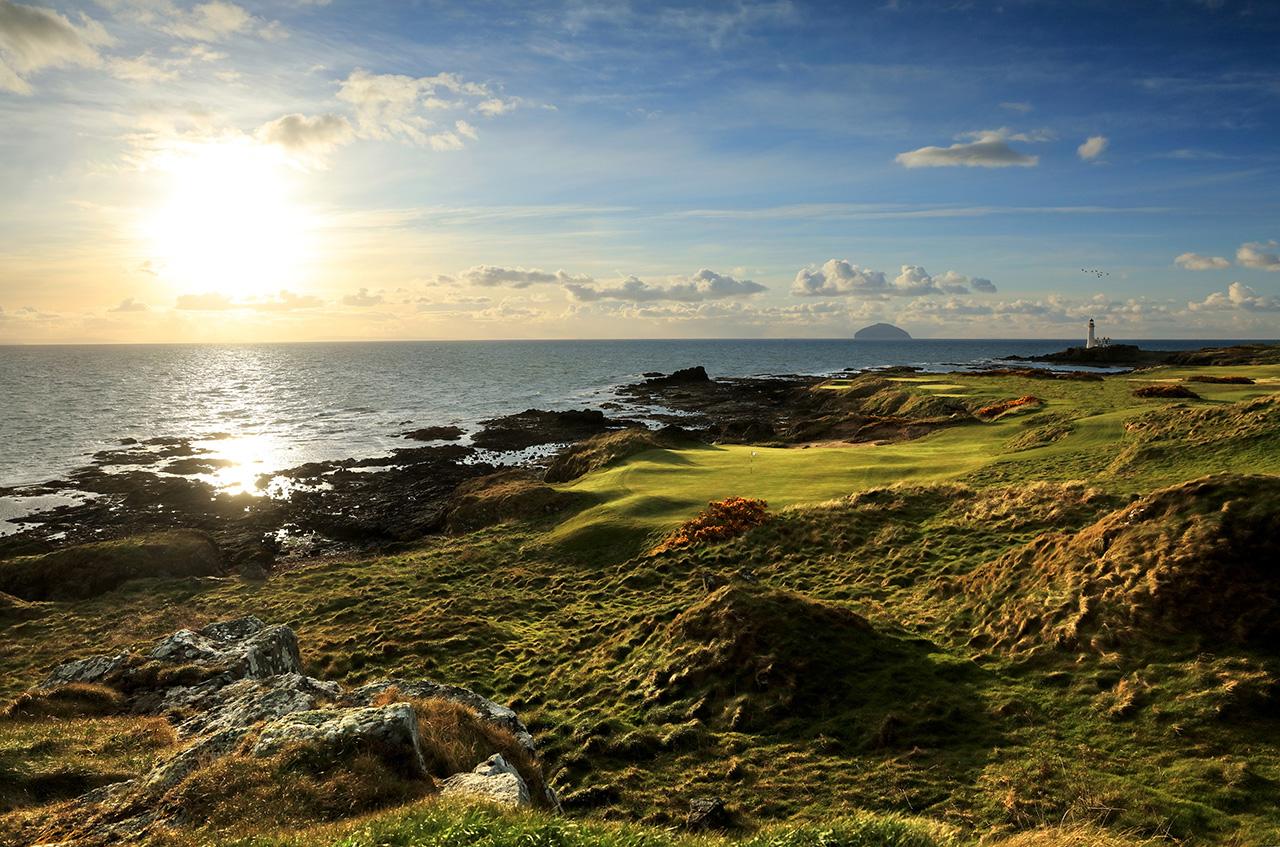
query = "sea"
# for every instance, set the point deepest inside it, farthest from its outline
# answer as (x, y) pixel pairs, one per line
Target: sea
(266, 407)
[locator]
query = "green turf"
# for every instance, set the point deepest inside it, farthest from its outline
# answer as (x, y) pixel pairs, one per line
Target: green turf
(571, 622)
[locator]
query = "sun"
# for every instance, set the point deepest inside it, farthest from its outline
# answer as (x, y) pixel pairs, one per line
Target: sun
(227, 223)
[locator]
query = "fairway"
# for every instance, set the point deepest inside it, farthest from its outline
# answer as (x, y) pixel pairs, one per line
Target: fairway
(654, 490)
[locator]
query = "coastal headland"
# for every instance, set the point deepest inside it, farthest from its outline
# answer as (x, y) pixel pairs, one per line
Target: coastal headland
(1017, 606)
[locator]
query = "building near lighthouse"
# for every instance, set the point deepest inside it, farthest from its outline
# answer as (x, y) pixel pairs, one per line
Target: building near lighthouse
(1093, 341)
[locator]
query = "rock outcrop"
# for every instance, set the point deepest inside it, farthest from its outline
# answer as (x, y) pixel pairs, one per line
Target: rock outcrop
(493, 781)
(235, 691)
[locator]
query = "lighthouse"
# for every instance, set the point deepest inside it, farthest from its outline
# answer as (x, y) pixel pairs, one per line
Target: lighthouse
(1092, 341)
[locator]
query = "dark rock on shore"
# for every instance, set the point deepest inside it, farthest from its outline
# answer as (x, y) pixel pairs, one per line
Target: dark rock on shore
(434, 433)
(684, 376)
(1111, 354)
(537, 426)
(367, 504)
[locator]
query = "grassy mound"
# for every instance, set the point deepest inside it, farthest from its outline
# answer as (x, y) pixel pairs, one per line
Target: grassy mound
(14, 609)
(78, 699)
(1198, 560)
(88, 570)
(607, 448)
(504, 496)
(753, 659)
(1211, 379)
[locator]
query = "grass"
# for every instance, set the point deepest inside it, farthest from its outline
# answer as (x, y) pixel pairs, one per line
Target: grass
(823, 671)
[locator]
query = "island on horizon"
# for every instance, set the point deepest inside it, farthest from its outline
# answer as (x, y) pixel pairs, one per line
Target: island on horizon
(882, 332)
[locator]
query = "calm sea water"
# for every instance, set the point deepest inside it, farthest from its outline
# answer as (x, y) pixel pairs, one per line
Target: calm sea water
(271, 406)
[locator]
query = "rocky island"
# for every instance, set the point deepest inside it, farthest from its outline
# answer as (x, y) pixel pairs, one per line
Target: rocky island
(882, 332)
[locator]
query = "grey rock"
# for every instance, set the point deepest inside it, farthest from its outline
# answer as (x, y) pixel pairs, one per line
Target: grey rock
(92, 669)
(220, 705)
(247, 647)
(391, 731)
(493, 781)
(493, 712)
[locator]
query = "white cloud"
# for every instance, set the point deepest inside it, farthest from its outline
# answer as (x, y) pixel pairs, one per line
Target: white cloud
(842, 278)
(129, 305)
(362, 299)
(838, 278)
(989, 148)
(33, 38)
(1237, 296)
(703, 285)
(1197, 262)
(445, 141)
(490, 276)
(497, 106)
(1255, 254)
(1092, 147)
(308, 139)
(390, 106)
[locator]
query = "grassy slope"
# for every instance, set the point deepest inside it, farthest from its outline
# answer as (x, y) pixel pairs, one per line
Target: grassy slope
(560, 621)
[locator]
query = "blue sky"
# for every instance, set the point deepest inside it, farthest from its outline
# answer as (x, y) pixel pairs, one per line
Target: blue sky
(291, 170)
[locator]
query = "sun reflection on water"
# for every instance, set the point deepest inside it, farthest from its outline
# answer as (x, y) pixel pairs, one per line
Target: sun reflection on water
(250, 456)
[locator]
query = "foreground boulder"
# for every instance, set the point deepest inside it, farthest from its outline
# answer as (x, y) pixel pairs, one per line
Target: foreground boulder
(249, 720)
(493, 781)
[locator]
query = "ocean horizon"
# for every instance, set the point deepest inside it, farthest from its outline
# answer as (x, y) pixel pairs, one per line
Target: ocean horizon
(269, 406)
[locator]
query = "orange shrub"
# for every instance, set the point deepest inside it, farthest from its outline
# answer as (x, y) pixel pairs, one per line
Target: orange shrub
(721, 519)
(997, 409)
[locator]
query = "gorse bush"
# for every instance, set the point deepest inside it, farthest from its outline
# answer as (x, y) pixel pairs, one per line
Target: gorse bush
(721, 520)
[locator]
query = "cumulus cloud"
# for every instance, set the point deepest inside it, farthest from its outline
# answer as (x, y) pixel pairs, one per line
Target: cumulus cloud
(986, 148)
(702, 286)
(1237, 296)
(497, 106)
(838, 278)
(129, 305)
(362, 299)
(489, 276)
(1092, 147)
(393, 106)
(33, 38)
(1197, 262)
(1255, 254)
(842, 278)
(309, 139)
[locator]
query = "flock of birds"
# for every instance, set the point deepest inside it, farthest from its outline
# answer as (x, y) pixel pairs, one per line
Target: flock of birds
(1099, 273)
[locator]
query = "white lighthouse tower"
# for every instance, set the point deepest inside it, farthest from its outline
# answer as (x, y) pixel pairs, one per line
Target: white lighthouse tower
(1092, 341)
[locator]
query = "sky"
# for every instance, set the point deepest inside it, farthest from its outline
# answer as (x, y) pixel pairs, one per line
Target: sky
(343, 170)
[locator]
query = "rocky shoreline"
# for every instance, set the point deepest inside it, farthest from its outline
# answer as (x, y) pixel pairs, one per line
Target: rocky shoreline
(381, 504)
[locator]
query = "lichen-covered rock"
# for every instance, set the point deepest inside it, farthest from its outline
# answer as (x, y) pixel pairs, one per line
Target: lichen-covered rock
(426, 689)
(246, 702)
(493, 780)
(391, 732)
(245, 647)
(92, 669)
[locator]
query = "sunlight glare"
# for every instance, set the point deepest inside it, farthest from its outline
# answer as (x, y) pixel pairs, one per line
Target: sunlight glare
(228, 225)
